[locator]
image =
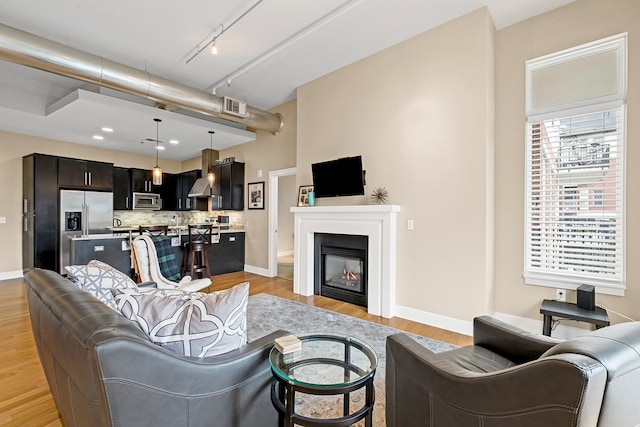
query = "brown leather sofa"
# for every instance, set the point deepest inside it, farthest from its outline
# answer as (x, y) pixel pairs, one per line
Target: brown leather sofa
(103, 370)
(509, 377)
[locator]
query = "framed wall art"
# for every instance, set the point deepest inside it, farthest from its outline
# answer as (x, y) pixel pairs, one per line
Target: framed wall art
(256, 195)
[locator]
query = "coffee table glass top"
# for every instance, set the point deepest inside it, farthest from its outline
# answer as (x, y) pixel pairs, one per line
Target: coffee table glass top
(325, 361)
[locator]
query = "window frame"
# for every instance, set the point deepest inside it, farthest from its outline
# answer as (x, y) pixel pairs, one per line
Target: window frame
(571, 280)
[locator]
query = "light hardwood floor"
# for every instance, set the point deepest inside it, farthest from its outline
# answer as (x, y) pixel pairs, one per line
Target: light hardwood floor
(25, 399)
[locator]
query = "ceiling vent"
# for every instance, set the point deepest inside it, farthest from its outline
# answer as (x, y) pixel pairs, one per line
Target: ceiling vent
(234, 107)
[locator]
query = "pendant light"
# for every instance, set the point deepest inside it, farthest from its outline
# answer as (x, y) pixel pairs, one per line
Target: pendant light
(211, 176)
(157, 172)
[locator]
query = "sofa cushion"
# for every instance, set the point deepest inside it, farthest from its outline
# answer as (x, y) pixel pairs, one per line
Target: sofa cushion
(98, 278)
(189, 323)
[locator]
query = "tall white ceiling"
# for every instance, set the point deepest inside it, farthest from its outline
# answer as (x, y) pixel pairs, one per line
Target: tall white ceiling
(295, 41)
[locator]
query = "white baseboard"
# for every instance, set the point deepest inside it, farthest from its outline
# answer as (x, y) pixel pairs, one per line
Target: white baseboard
(562, 331)
(285, 253)
(257, 270)
(439, 321)
(6, 275)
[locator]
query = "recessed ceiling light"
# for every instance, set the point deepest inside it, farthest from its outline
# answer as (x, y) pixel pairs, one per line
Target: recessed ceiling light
(174, 141)
(160, 147)
(106, 129)
(98, 137)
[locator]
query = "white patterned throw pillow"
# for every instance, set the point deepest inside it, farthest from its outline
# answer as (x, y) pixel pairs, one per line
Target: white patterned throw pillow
(189, 323)
(98, 278)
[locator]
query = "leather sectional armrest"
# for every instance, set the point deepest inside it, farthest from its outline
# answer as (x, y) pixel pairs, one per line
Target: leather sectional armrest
(508, 341)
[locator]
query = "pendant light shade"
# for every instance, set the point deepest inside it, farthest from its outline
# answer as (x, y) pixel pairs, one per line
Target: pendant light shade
(211, 176)
(157, 172)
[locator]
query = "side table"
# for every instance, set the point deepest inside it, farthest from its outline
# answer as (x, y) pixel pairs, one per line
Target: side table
(567, 310)
(326, 365)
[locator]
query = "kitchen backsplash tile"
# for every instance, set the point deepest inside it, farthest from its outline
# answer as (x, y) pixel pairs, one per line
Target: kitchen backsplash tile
(128, 218)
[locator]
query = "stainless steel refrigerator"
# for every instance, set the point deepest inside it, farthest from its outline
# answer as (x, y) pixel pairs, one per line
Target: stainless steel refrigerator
(82, 213)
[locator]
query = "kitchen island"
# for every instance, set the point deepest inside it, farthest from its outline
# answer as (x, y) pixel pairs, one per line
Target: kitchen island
(225, 256)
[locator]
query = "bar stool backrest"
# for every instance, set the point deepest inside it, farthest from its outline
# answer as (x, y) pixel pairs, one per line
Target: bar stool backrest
(200, 234)
(154, 230)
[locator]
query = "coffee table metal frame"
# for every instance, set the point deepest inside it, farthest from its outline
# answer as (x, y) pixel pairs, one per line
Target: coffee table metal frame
(284, 388)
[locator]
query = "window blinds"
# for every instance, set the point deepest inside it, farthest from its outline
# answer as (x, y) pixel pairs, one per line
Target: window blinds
(575, 199)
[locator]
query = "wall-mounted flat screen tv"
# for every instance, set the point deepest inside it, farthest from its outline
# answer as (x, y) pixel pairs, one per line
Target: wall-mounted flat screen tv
(341, 177)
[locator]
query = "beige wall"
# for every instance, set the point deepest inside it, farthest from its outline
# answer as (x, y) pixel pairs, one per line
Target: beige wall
(12, 148)
(267, 153)
(421, 116)
(580, 22)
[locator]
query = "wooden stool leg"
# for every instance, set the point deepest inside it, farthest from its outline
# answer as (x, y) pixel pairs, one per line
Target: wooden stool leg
(194, 256)
(185, 261)
(206, 262)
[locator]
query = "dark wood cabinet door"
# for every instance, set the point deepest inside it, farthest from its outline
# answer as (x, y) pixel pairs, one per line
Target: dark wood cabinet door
(72, 173)
(228, 255)
(169, 191)
(229, 186)
(140, 180)
(40, 212)
(100, 175)
(121, 189)
(84, 174)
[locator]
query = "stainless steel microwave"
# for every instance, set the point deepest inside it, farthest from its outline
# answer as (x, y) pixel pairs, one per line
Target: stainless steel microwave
(148, 201)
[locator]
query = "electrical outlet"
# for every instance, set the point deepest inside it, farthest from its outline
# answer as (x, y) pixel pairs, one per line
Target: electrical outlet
(561, 294)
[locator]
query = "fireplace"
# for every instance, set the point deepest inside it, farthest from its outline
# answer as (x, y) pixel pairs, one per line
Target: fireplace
(377, 222)
(340, 265)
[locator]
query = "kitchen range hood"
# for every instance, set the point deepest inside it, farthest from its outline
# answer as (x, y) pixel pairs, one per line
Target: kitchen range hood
(200, 188)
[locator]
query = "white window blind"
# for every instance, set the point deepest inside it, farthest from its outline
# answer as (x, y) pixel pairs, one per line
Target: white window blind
(575, 179)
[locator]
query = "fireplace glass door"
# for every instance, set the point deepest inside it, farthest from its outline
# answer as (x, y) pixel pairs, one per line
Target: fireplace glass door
(343, 272)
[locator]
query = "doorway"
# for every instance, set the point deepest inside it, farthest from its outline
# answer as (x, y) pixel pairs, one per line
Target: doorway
(283, 195)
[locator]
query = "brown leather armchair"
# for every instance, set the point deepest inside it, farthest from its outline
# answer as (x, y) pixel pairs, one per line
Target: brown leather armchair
(513, 378)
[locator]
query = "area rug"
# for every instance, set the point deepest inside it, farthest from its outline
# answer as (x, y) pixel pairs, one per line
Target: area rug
(268, 313)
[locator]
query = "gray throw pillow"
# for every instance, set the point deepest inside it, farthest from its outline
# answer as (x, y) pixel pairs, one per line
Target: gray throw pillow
(189, 323)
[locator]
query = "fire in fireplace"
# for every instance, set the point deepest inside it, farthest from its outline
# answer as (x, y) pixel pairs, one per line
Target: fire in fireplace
(341, 267)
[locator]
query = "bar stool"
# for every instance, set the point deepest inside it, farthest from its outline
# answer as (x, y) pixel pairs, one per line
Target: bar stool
(154, 230)
(196, 259)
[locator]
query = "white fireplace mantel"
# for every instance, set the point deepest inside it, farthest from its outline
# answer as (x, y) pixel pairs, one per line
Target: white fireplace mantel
(377, 222)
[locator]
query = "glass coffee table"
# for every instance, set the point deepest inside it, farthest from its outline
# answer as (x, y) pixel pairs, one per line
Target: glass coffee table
(326, 365)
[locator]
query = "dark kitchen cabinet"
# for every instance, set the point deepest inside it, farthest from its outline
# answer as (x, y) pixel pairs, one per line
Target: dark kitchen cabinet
(40, 212)
(121, 189)
(169, 191)
(229, 187)
(115, 252)
(84, 174)
(227, 256)
(142, 181)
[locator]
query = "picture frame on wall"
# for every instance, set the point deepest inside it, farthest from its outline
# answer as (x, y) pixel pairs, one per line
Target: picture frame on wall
(256, 195)
(303, 195)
